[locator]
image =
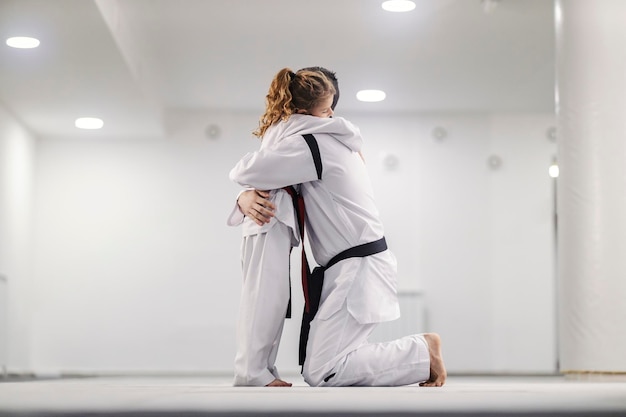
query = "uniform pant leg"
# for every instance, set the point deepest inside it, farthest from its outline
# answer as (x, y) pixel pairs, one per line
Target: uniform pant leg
(340, 355)
(263, 305)
(271, 360)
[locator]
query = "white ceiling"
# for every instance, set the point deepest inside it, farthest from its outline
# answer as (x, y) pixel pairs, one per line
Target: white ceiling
(132, 61)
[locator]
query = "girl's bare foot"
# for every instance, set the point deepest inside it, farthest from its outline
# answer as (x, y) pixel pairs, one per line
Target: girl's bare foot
(279, 383)
(437, 368)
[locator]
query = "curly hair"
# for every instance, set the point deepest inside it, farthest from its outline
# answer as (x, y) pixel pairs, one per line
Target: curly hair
(291, 92)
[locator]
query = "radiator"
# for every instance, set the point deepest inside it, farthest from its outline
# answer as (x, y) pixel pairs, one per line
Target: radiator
(412, 318)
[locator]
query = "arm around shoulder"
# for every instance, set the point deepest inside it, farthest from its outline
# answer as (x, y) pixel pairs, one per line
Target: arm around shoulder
(289, 162)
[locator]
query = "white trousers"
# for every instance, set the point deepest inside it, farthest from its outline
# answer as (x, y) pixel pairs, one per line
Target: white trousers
(263, 305)
(338, 354)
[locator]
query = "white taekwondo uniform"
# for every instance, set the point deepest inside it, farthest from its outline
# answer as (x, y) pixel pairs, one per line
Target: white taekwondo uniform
(357, 292)
(265, 293)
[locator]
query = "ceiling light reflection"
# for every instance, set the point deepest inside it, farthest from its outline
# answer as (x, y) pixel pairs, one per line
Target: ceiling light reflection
(398, 5)
(553, 171)
(89, 123)
(371, 95)
(23, 42)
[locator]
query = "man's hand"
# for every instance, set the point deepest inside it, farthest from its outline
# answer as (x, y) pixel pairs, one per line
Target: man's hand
(255, 204)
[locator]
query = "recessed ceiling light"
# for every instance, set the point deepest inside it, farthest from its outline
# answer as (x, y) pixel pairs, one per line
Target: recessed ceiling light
(23, 42)
(89, 123)
(370, 95)
(398, 5)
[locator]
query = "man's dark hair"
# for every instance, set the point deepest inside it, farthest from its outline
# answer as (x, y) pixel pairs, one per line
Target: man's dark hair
(333, 79)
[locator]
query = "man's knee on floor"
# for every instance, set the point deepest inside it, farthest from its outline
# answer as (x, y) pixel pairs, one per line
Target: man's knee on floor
(312, 378)
(306, 375)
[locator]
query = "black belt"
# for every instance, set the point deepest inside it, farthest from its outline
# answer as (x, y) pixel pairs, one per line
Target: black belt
(315, 281)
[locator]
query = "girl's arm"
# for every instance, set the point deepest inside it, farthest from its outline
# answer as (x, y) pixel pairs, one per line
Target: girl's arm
(289, 162)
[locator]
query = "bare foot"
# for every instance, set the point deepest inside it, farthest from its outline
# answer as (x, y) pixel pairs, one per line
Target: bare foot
(437, 369)
(279, 383)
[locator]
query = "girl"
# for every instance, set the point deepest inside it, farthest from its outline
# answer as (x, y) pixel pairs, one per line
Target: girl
(266, 246)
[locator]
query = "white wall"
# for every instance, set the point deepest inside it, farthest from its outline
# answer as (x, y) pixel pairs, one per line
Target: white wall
(522, 245)
(478, 242)
(135, 269)
(17, 155)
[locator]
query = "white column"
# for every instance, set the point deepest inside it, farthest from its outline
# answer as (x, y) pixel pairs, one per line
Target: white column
(591, 114)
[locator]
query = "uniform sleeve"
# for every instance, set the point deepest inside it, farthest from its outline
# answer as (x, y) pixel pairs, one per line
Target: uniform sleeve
(288, 162)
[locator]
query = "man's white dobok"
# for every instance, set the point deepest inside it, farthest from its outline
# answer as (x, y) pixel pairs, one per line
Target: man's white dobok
(340, 214)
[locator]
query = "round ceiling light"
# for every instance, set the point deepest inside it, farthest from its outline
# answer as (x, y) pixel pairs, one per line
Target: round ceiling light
(398, 5)
(371, 95)
(89, 123)
(23, 42)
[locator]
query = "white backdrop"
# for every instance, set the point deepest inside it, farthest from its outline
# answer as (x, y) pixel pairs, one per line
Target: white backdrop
(17, 171)
(134, 269)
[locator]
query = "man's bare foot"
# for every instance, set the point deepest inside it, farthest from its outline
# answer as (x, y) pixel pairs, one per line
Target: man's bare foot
(279, 383)
(437, 368)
